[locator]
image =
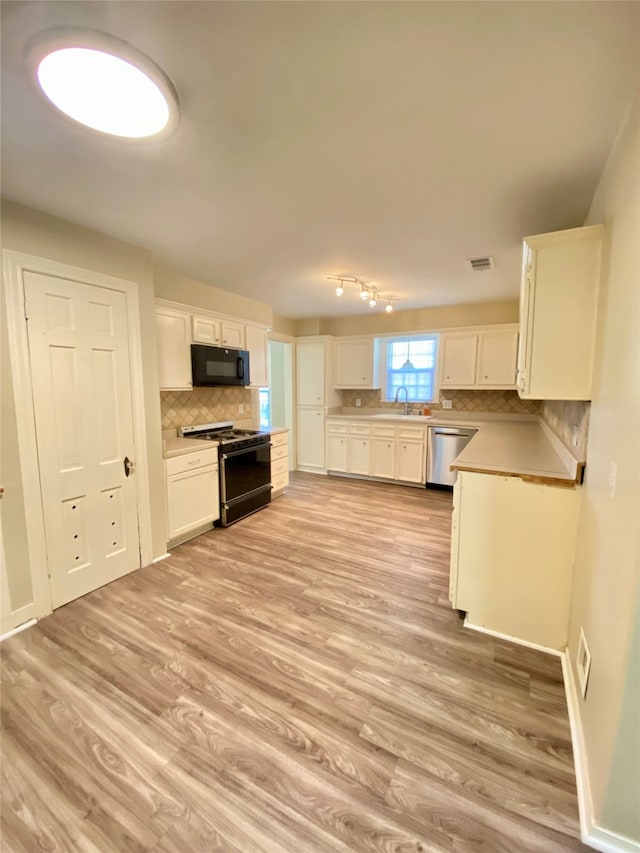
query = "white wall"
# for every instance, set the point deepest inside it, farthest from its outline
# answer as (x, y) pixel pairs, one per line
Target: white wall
(607, 570)
(35, 233)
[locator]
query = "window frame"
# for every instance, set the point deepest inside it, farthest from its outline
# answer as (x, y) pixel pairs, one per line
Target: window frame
(384, 358)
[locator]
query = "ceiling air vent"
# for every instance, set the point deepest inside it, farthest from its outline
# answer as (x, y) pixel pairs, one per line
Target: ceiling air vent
(480, 264)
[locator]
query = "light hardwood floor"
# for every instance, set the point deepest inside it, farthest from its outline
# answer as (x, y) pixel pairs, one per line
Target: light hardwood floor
(295, 683)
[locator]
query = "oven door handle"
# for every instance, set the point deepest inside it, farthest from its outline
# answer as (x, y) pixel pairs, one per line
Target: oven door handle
(233, 453)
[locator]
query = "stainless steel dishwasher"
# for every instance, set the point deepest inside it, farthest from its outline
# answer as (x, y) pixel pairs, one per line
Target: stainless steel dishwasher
(443, 445)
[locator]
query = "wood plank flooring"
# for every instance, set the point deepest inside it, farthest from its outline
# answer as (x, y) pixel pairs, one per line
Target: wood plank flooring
(296, 683)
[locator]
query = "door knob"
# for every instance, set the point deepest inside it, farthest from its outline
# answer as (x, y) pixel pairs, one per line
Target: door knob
(129, 466)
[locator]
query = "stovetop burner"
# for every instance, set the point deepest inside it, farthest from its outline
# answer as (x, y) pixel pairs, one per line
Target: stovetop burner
(224, 433)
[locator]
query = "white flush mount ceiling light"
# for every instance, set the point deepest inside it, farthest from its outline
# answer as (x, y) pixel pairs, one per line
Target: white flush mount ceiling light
(368, 292)
(103, 83)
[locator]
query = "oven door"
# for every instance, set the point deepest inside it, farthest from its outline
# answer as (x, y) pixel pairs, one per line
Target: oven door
(245, 482)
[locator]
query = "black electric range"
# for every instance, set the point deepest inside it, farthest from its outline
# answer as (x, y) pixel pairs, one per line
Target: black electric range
(244, 457)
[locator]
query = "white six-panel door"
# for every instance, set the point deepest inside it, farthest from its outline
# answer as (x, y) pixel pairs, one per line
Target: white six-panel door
(79, 354)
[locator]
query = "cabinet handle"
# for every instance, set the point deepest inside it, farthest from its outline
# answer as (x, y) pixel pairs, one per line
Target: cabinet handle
(194, 462)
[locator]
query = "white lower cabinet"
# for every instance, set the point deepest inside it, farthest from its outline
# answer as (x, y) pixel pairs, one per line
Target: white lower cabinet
(512, 555)
(358, 455)
(337, 448)
(279, 463)
(383, 456)
(193, 500)
(310, 438)
(378, 450)
(410, 455)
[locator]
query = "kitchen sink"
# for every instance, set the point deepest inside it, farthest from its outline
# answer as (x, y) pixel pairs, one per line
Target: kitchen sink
(418, 418)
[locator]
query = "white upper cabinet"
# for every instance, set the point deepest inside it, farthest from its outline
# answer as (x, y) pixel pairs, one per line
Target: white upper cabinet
(256, 343)
(205, 330)
(232, 334)
(558, 312)
(177, 327)
(497, 356)
(315, 372)
(357, 363)
(480, 358)
(458, 360)
(173, 334)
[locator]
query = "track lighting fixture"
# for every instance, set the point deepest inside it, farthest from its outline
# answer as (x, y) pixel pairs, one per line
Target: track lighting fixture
(368, 292)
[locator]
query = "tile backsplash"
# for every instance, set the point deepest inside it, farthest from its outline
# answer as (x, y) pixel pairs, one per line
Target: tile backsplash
(204, 406)
(500, 402)
(569, 419)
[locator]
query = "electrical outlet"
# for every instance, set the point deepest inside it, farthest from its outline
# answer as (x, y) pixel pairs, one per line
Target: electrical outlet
(613, 476)
(447, 404)
(358, 402)
(241, 408)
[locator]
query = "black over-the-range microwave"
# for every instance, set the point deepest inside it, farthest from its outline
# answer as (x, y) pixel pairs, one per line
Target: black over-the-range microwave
(219, 366)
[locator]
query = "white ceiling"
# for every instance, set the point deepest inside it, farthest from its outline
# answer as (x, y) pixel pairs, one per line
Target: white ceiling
(386, 140)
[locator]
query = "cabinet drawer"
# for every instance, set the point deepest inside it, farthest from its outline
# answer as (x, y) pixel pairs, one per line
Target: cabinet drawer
(411, 433)
(189, 461)
(383, 431)
(279, 452)
(279, 467)
(336, 427)
(359, 429)
(279, 439)
(280, 482)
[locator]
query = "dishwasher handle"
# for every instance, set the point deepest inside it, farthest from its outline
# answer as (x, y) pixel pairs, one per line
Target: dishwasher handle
(454, 433)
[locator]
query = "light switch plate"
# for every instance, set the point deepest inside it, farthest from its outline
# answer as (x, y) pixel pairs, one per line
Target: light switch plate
(447, 404)
(613, 476)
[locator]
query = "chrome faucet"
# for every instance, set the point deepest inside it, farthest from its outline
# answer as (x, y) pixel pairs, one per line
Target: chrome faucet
(407, 407)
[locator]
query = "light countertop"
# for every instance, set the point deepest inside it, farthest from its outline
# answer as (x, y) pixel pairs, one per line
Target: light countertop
(175, 445)
(525, 449)
(509, 445)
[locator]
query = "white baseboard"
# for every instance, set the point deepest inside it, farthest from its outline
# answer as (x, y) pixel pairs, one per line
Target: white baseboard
(17, 630)
(510, 639)
(592, 835)
(160, 558)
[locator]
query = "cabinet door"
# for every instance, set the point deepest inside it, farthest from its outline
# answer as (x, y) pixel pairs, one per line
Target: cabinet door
(256, 343)
(524, 344)
(410, 464)
(174, 354)
(497, 354)
(355, 364)
(337, 452)
(358, 455)
(458, 353)
(310, 367)
(310, 438)
(562, 305)
(192, 499)
(204, 330)
(383, 458)
(232, 334)
(453, 562)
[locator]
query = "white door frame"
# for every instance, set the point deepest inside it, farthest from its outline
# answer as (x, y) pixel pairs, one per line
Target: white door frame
(15, 264)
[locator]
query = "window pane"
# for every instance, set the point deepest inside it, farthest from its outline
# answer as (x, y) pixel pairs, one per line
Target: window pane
(411, 363)
(264, 408)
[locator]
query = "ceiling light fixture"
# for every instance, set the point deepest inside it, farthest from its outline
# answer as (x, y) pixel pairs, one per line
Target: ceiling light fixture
(368, 292)
(103, 83)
